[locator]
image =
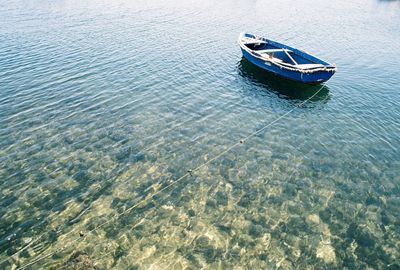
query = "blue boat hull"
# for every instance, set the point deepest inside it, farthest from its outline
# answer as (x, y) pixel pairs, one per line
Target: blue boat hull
(308, 78)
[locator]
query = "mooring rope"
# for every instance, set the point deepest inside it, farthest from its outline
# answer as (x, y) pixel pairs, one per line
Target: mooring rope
(294, 171)
(188, 173)
(22, 248)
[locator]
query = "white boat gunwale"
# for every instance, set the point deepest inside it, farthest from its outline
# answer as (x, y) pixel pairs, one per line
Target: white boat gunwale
(265, 56)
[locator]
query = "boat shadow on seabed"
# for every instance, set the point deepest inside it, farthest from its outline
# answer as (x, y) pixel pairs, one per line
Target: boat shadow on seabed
(282, 87)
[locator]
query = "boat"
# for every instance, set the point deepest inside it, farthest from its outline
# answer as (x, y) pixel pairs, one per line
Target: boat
(285, 61)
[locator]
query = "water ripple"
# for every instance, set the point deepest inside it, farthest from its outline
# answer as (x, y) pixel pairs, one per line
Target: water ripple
(103, 104)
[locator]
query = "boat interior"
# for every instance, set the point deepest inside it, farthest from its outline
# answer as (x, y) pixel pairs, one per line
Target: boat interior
(279, 54)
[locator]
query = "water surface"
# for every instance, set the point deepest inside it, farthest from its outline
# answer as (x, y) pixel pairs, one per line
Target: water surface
(104, 104)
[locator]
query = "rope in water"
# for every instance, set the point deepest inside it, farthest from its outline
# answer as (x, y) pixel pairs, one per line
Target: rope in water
(295, 170)
(188, 173)
(22, 248)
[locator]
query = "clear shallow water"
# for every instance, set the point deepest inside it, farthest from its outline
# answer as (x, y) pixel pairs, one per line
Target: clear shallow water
(105, 103)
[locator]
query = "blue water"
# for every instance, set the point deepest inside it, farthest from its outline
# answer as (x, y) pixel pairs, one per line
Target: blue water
(106, 105)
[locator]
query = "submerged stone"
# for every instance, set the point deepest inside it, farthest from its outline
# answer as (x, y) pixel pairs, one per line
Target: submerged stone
(372, 200)
(208, 251)
(191, 213)
(224, 228)
(221, 198)
(360, 235)
(326, 252)
(211, 203)
(255, 230)
(117, 135)
(123, 153)
(212, 254)
(394, 266)
(325, 215)
(385, 218)
(82, 176)
(79, 261)
(263, 256)
(202, 241)
(138, 157)
(314, 219)
(120, 252)
(245, 201)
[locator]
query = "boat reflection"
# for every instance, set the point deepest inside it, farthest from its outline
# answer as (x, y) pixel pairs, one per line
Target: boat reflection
(282, 87)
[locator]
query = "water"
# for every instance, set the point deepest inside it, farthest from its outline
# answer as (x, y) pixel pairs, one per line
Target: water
(104, 103)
